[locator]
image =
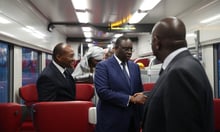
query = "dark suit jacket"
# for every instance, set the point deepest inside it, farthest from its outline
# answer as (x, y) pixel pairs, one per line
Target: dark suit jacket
(113, 112)
(181, 100)
(53, 86)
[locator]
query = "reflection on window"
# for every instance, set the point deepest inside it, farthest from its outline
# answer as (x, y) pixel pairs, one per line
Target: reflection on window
(30, 66)
(48, 59)
(218, 52)
(4, 72)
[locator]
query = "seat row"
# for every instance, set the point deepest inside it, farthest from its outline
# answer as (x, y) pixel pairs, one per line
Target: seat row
(78, 116)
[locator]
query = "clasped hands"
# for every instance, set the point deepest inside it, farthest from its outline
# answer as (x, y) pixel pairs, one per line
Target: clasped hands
(138, 98)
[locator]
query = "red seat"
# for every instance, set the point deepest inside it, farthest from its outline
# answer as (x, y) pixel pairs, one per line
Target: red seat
(29, 94)
(84, 91)
(65, 116)
(217, 115)
(10, 117)
(145, 61)
(148, 86)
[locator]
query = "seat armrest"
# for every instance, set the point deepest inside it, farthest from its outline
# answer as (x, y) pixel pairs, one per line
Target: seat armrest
(92, 115)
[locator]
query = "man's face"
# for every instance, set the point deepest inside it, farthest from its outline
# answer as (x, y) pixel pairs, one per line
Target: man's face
(125, 50)
(67, 58)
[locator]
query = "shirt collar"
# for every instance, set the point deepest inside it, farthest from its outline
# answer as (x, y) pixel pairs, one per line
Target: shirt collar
(170, 57)
(118, 60)
(61, 69)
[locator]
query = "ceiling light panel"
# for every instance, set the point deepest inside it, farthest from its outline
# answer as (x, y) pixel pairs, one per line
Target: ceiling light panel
(80, 4)
(149, 4)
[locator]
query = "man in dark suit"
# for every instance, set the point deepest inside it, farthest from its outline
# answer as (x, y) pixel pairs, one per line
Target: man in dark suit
(182, 99)
(55, 83)
(120, 98)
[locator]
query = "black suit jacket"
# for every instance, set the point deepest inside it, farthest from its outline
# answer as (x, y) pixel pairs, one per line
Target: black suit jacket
(181, 100)
(53, 86)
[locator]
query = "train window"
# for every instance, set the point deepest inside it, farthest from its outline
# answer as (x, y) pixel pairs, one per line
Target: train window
(218, 69)
(30, 66)
(4, 72)
(48, 58)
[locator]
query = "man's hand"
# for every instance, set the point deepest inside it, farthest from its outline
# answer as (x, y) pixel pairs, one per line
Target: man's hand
(138, 98)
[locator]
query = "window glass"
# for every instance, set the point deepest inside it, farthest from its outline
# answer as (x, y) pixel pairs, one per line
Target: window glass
(30, 66)
(48, 59)
(4, 72)
(218, 64)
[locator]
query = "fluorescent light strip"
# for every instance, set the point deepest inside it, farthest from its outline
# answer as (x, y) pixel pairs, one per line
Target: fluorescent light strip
(83, 17)
(149, 4)
(88, 40)
(210, 19)
(80, 4)
(86, 29)
(137, 17)
(34, 32)
(4, 20)
(118, 35)
(7, 34)
(145, 6)
(191, 35)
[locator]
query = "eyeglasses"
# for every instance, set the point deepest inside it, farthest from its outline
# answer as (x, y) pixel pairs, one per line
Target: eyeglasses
(127, 49)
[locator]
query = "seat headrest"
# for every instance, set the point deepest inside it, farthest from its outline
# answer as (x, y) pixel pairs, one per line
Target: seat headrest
(84, 91)
(28, 93)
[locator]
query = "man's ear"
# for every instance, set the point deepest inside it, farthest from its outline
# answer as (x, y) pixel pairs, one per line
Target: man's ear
(157, 42)
(58, 57)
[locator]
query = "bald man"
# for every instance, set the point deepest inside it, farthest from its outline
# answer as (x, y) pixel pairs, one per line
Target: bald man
(182, 99)
(55, 83)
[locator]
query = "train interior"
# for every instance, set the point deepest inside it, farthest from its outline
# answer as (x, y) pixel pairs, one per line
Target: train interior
(29, 30)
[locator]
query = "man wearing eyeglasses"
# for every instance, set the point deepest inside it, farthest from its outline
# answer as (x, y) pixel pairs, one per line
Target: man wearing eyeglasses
(119, 87)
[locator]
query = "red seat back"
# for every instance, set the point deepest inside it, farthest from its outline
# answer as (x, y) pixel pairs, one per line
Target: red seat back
(29, 94)
(84, 91)
(217, 114)
(145, 61)
(65, 116)
(10, 117)
(148, 86)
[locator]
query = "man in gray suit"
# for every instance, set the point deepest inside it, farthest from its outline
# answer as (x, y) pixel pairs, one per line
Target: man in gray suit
(182, 99)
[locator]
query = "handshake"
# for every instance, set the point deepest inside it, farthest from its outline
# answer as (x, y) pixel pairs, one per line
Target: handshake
(138, 98)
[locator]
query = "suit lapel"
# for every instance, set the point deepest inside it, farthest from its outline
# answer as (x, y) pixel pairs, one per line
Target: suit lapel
(180, 55)
(118, 69)
(60, 77)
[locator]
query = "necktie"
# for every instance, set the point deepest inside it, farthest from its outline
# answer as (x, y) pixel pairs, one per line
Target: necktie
(67, 74)
(125, 73)
(68, 78)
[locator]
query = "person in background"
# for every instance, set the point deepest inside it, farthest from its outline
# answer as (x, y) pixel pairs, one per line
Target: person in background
(181, 100)
(119, 86)
(85, 68)
(55, 83)
(109, 53)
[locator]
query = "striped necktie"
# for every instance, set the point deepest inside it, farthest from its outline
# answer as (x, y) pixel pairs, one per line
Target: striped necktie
(125, 73)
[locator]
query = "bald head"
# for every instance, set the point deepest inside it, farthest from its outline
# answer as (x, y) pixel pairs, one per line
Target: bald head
(63, 55)
(168, 35)
(170, 27)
